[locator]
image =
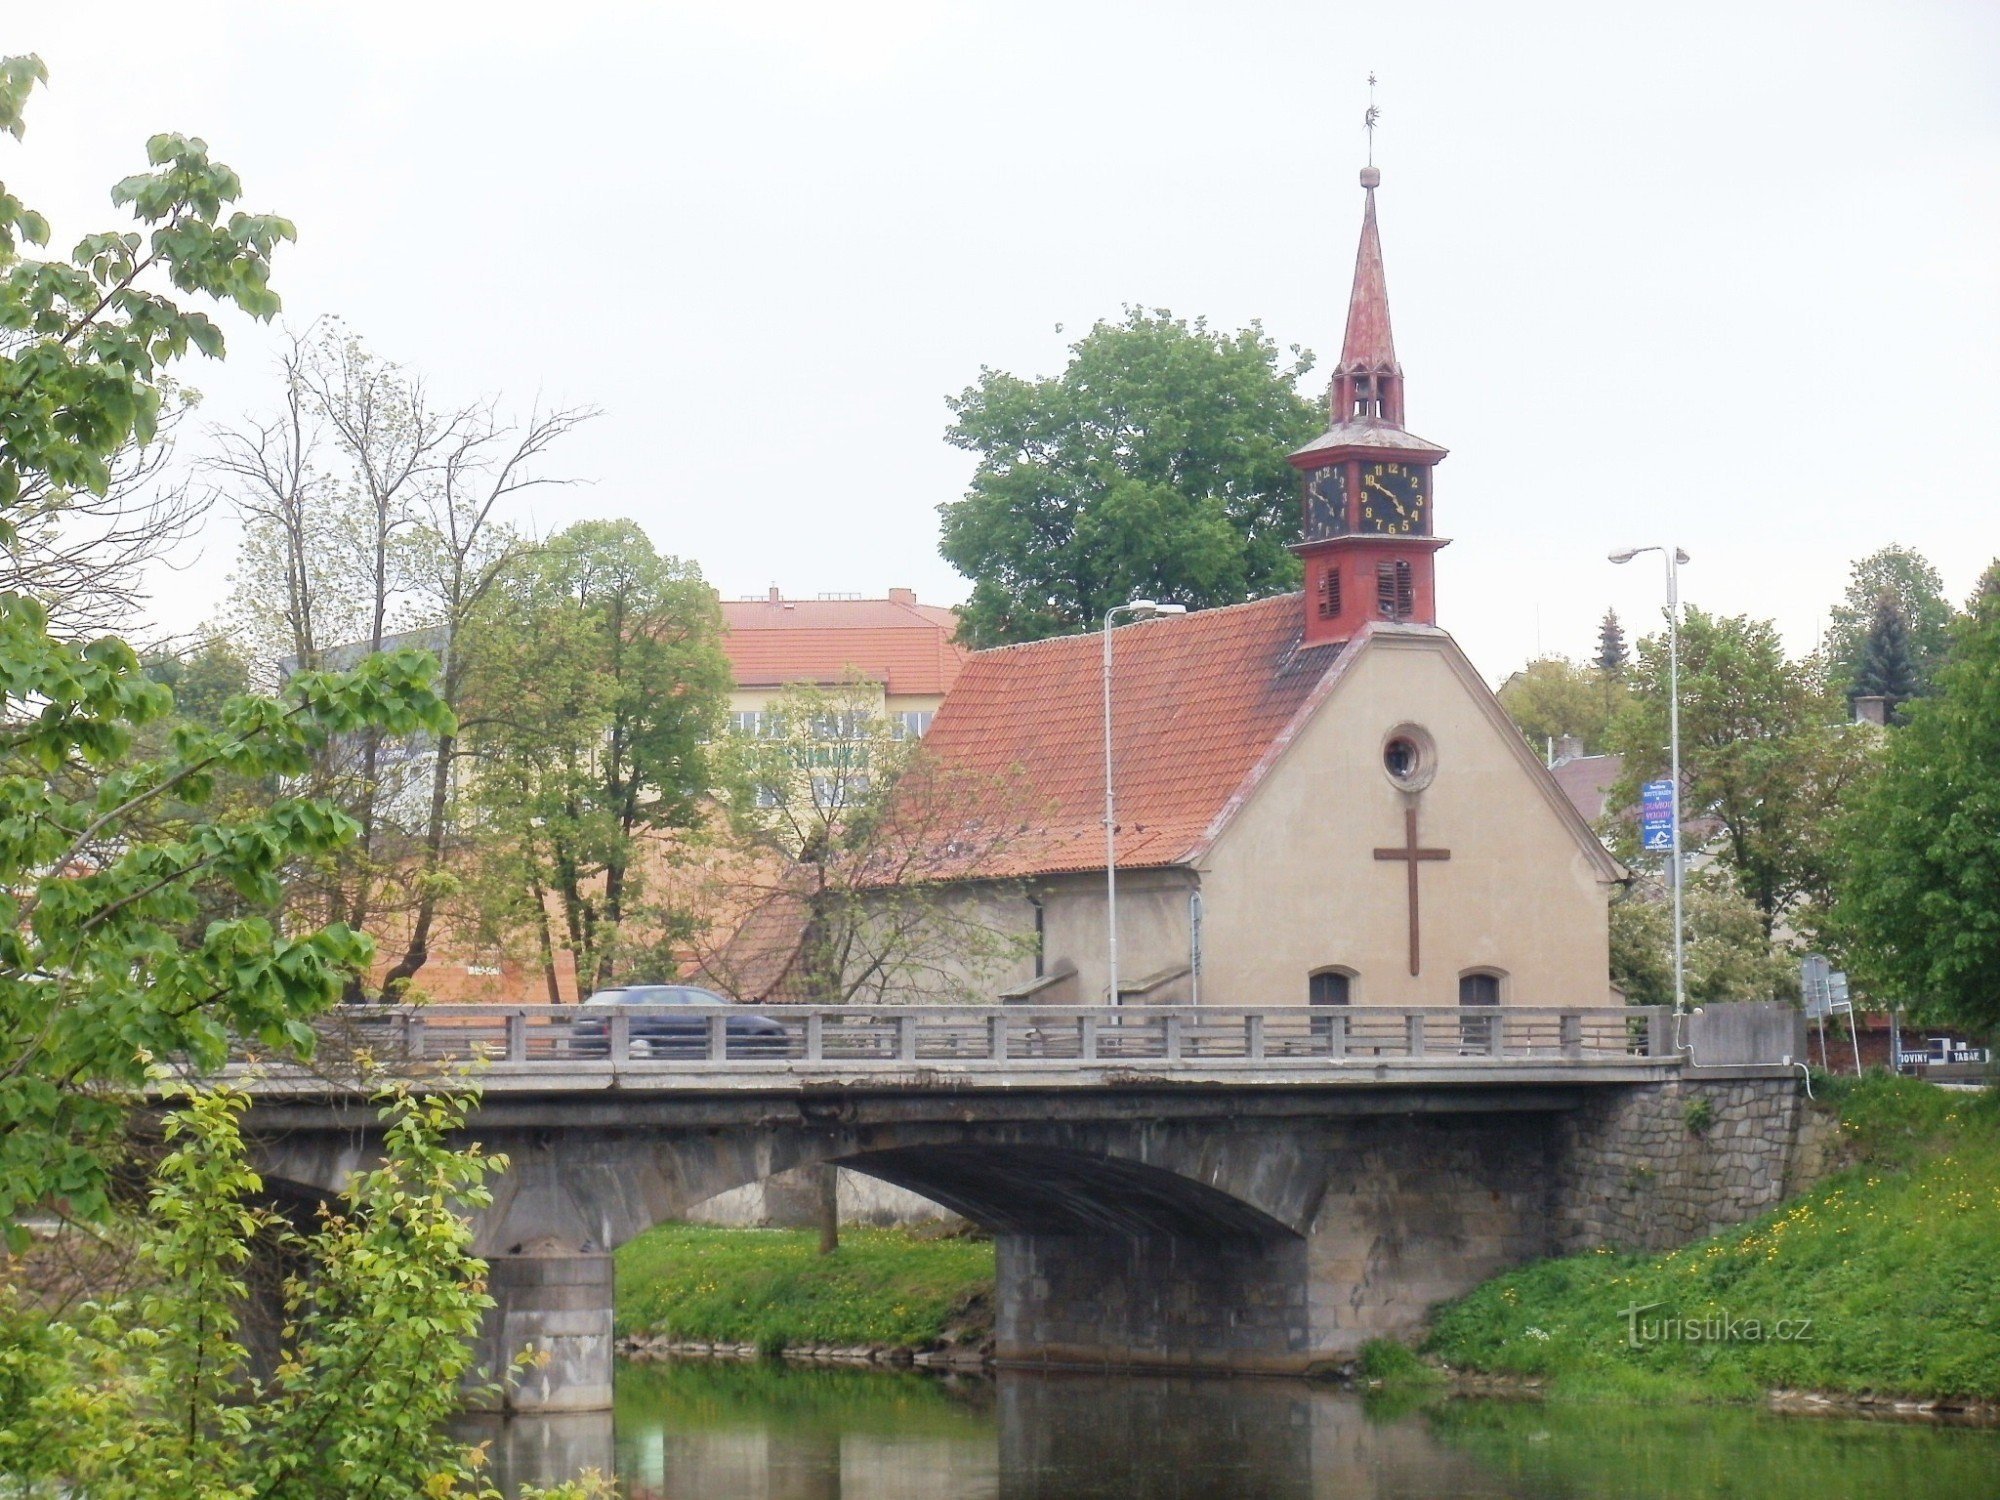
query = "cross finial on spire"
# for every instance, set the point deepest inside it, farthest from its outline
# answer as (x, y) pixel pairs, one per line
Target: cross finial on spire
(1368, 120)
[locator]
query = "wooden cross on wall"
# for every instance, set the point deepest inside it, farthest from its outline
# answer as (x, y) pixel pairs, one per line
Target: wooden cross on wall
(1411, 856)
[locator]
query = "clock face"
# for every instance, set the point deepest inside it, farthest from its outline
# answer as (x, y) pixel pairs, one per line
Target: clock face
(1395, 499)
(1326, 501)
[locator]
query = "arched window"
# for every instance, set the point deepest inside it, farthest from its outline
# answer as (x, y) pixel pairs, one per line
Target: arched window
(1479, 1035)
(1329, 987)
(1479, 987)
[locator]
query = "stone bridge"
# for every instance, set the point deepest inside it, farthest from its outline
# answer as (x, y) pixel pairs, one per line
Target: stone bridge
(1180, 1189)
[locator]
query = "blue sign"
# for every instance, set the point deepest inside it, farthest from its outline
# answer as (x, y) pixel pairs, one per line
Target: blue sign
(1656, 817)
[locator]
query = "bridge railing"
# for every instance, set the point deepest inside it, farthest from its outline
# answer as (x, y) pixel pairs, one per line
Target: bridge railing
(991, 1037)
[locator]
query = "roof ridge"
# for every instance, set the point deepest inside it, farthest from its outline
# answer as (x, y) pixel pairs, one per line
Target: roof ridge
(1095, 630)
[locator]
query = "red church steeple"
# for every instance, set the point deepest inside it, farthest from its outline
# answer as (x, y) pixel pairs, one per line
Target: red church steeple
(1368, 545)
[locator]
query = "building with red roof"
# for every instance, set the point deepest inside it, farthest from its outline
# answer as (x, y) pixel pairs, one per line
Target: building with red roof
(896, 648)
(1318, 799)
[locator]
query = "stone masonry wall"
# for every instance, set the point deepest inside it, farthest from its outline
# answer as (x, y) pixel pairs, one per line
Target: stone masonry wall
(1638, 1174)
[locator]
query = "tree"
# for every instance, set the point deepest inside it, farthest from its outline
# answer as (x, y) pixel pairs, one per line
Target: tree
(1885, 669)
(1918, 909)
(101, 962)
(103, 969)
(1905, 574)
(149, 1394)
(1729, 955)
(835, 885)
(596, 684)
(1611, 652)
(88, 557)
(1553, 697)
(369, 512)
(1766, 756)
(1153, 465)
(1987, 587)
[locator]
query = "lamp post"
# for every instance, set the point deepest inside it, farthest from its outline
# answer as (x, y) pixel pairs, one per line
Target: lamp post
(1138, 609)
(1674, 558)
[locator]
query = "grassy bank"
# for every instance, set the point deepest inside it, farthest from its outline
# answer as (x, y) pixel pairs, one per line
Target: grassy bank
(1885, 1279)
(772, 1287)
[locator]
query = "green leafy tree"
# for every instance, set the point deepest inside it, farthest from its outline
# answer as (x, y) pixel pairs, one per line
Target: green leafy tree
(149, 1396)
(1886, 670)
(371, 517)
(1553, 696)
(1729, 954)
(1987, 587)
(597, 684)
(1918, 911)
(1903, 573)
(104, 958)
(1766, 757)
(107, 963)
(1153, 465)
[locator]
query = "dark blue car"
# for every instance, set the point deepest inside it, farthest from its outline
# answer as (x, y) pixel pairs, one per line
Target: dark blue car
(672, 1036)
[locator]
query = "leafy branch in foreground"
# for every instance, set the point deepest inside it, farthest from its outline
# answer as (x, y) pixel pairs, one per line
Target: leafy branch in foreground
(151, 1395)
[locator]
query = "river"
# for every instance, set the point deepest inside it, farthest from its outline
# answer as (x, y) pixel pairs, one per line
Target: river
(770, 1432)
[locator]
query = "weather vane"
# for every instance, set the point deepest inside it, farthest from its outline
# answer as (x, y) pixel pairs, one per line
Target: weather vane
(1368, 120)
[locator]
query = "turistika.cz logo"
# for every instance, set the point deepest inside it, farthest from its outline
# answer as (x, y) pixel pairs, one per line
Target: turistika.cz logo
(1713, 1328)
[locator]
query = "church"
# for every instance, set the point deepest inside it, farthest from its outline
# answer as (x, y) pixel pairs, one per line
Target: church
(1318, 799)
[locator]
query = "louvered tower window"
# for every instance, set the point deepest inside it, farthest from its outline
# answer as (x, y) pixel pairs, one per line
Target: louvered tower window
(1329, 594)
(1395, 591)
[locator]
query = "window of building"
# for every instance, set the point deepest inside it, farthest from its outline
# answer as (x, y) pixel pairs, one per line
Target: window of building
(1367, 403)
(1329, 594)
(1395, 590)
(1409, 756)
(832, 793)
(910, 723)
(1329, 987)
(1479, 988)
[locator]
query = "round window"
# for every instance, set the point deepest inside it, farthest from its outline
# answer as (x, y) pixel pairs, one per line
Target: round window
(1410, 757)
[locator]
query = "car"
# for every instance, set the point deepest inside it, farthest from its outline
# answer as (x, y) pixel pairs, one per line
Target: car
(683, 1035)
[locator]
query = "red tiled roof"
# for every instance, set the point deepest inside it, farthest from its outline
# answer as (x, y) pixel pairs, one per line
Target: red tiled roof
(1587, 781)
(1200, 700)
(905, 646)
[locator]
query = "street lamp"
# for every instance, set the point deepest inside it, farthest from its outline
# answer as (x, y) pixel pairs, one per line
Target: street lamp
(1674, 557)
(1138, 609)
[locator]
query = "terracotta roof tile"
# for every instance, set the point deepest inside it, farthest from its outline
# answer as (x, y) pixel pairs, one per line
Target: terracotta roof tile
(906, 647)
(1587, 781)
(1200, 699)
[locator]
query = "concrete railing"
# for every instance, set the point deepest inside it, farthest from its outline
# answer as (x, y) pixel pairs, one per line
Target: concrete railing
(551, 1040)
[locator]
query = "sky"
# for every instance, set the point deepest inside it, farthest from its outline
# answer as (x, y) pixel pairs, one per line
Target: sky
(1720, 275)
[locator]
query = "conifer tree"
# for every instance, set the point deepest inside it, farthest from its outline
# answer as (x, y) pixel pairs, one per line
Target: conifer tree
(1611, 652)
(1885, 670)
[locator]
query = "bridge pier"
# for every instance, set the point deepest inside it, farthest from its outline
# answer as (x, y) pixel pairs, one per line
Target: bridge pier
(557, 1304)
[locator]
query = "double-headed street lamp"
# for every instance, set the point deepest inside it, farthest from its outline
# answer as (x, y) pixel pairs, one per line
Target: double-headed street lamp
(1674, 558)
(1138, 609)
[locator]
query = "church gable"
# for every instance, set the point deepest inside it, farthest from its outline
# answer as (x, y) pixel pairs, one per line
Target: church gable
(1404, 842)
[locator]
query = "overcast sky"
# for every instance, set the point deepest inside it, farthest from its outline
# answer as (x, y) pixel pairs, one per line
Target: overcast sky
(1719, 273)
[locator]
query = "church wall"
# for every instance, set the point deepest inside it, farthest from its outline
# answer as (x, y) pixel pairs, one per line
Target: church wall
(1152, 929)
(1292, 884)
(1152, 933)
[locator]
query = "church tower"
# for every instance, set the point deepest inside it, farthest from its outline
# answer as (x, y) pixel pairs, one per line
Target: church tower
(1368, 547)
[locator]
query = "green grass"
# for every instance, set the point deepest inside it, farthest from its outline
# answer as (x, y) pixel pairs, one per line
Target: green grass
(1895, 1263)
(772, 1287)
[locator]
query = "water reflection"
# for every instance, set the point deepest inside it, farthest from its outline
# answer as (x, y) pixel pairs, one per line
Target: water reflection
(764, 1432)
